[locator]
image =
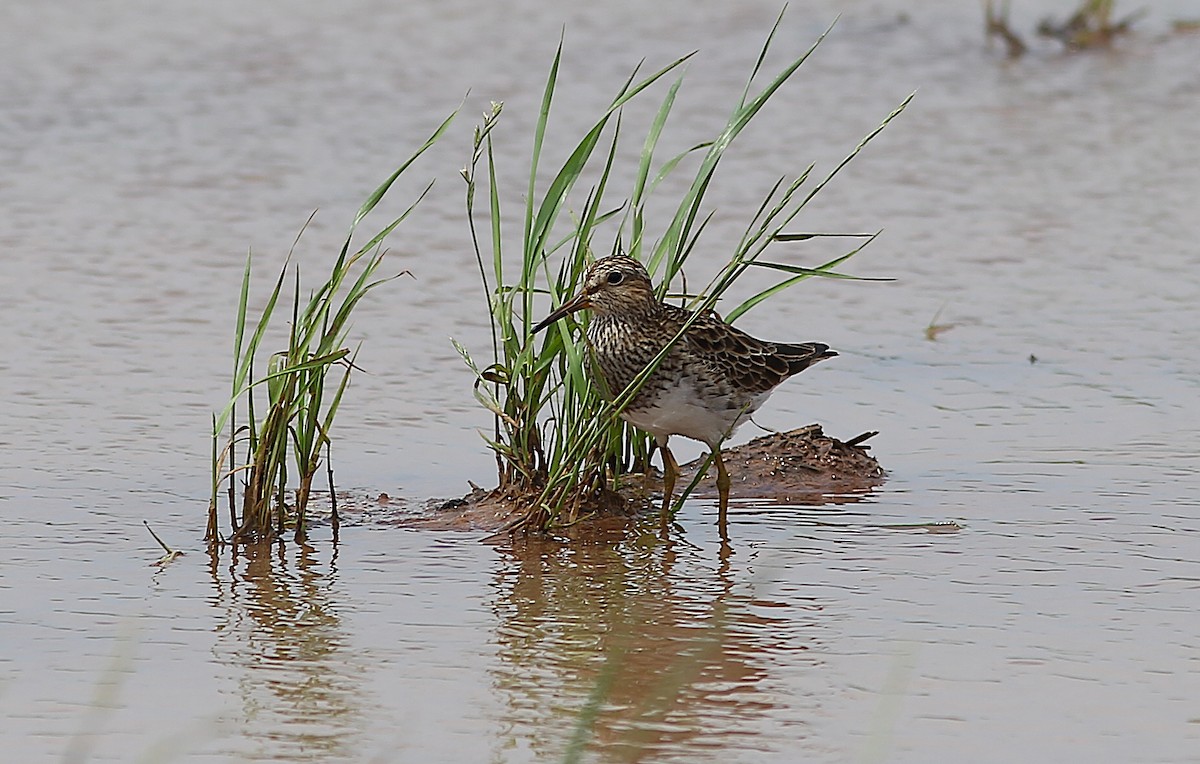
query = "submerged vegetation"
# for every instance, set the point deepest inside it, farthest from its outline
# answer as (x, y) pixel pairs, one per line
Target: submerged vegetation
(296, 400)
(558, 439)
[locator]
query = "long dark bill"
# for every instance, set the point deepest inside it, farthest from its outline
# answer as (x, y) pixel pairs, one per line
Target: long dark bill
(579, 302)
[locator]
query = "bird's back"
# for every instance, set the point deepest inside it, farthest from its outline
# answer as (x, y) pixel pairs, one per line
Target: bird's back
(751, 365)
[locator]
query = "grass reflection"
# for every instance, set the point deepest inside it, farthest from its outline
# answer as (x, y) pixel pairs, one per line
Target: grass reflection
(300, 689)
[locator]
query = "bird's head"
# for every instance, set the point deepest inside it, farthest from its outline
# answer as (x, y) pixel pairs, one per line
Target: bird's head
(614, 285)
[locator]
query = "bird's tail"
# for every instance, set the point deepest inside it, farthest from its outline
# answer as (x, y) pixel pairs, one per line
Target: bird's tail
(804, 354)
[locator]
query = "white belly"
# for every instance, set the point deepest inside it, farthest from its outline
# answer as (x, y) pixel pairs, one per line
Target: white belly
(678, 410)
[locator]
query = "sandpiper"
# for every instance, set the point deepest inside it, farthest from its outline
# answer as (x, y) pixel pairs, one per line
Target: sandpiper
(712, 379)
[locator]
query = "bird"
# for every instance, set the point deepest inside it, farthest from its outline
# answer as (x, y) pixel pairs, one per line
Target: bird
(710, 381)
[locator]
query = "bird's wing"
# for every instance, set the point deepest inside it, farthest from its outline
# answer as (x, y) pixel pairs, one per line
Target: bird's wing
(750, 364)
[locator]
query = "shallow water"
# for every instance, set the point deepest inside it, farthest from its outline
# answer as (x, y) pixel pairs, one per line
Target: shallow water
(1046, 207)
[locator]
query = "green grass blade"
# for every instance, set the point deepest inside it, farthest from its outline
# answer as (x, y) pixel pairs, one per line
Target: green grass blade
(378, 194)
(651, 143)
(861, 145)
(808, 236)
(802, 271)
(539, 136)
(802, 274)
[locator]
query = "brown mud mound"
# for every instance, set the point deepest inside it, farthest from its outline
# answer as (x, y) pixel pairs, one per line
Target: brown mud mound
(801, 466)
(498, 511)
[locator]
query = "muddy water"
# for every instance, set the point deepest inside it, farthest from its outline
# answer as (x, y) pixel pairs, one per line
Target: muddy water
(1046, 208)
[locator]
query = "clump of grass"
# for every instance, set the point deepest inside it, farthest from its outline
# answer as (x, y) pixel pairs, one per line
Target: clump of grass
(297, 394)
(995, 24)
(1092, 25)
(558, 438)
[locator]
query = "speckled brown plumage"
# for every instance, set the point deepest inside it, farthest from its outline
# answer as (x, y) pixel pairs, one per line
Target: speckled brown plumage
(711, 380)
(728, 370)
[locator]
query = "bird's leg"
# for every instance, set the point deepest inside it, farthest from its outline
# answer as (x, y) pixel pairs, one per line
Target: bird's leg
(722, 494)
(670, 472)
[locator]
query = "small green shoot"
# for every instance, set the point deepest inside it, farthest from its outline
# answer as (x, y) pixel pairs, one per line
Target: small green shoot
(171, 554)
(934, 329)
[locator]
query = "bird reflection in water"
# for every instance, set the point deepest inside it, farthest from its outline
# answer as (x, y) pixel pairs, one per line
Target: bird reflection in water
(638, 647)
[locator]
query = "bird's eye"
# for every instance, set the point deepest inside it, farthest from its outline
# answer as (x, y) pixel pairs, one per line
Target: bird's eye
(615, 277)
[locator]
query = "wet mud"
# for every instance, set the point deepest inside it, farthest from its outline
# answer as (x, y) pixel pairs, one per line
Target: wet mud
(801, 466)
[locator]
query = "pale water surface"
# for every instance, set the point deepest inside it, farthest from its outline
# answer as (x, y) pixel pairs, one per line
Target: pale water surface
(1048, 207)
